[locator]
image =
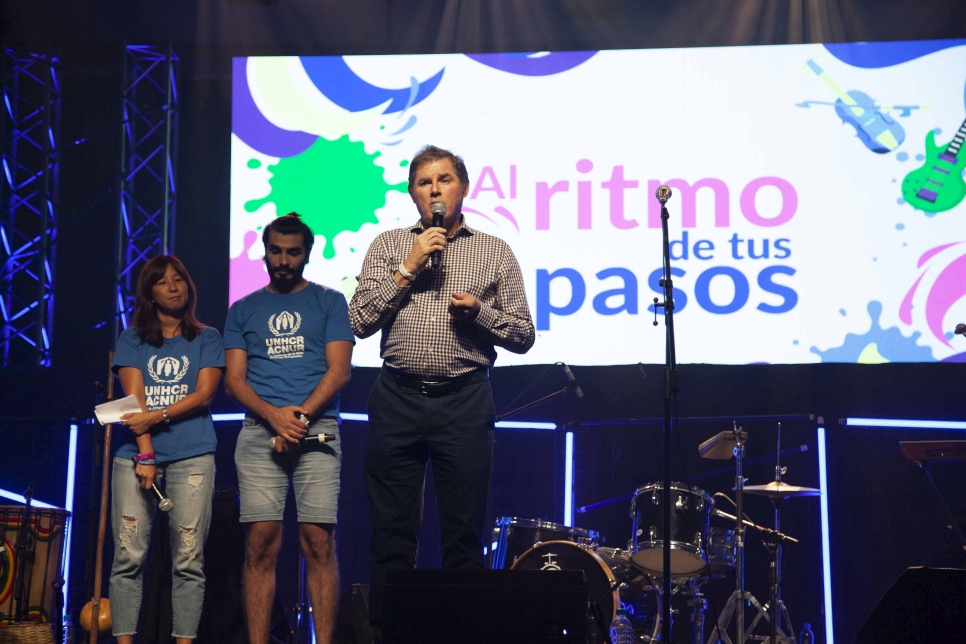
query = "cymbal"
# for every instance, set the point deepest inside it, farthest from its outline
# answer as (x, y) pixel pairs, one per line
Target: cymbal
(781, 490)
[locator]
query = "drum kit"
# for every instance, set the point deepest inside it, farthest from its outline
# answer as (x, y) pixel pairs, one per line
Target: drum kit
(632, 578)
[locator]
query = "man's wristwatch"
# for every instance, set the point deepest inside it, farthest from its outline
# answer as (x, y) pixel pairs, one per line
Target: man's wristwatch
(166, 416)
(402, 271)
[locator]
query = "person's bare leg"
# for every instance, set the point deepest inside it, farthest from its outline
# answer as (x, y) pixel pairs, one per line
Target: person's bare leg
(318, 547)
(124, 639)
(263, 542)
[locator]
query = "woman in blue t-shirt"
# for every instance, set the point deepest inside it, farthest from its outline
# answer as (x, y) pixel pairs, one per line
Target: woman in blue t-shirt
(172, 364)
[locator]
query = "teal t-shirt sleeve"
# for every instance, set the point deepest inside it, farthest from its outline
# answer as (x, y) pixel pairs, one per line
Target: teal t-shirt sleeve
(337, 317)
(234, 338)
(127, 353)
(212, 349)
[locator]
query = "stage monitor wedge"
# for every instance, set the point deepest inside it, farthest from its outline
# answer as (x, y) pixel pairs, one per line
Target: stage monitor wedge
(482, 606)
(924, 606)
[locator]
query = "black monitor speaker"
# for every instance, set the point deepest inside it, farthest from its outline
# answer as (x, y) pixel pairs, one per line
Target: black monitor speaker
(924, 605)
(485, 606)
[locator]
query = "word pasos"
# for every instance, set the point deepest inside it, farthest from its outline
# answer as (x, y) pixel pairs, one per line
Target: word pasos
(625, 298)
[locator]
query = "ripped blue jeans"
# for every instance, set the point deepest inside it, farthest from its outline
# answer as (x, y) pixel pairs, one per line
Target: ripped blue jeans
(189, 483)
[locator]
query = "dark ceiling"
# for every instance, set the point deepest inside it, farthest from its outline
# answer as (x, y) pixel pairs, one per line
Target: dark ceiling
(229, 27)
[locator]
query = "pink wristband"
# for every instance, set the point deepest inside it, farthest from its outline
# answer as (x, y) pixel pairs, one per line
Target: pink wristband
(145, 457)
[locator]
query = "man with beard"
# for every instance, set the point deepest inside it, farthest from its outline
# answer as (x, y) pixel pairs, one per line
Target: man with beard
(288, 351)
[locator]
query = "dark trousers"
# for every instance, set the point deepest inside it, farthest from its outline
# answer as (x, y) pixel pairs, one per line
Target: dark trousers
(455, 430)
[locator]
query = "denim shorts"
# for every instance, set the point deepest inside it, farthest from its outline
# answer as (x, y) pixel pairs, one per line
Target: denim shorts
(264, 474)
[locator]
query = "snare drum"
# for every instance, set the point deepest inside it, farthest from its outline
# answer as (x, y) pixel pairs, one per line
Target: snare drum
(690, 510)
(514, 536)
(642, 604)
(721, 552)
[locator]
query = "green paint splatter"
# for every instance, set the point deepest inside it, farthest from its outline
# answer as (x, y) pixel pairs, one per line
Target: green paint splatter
(334, 185)
(403, 164)
(254, 163)
(348, 286)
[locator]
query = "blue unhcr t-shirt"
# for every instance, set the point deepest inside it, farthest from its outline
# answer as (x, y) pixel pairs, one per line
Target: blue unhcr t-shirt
(171, 373)
(285, 337)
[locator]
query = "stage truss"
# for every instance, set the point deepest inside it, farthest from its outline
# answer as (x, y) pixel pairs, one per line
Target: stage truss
(146, 177)
(30, 123)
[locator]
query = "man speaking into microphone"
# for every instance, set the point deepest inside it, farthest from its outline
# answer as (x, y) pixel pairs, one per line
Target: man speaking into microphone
(444, 296)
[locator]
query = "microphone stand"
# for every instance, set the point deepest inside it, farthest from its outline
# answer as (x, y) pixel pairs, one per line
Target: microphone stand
(670, 390)
(531, 405)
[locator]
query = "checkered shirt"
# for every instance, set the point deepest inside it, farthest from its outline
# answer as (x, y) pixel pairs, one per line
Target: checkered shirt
(419, 335)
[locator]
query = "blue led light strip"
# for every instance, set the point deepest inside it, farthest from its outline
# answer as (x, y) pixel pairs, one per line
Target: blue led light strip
(69, 506)
(569, 481)
(826, 560)
(364, 418)
(19, 498)
(898, 422)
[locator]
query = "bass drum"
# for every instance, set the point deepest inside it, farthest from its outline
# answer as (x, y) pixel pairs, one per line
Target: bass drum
(643, 605)
(513, 536)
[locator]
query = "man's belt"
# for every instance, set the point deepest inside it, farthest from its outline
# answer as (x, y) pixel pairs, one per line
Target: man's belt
(435, 386)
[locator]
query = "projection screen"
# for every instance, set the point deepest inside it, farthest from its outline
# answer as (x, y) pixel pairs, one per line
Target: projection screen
(817, 211)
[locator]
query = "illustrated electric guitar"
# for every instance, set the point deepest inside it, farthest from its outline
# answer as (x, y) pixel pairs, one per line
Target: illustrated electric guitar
(879, 132)
(938, 185)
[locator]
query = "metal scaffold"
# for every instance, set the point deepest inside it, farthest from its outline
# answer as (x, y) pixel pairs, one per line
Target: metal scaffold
(30, 126)
(146, 177)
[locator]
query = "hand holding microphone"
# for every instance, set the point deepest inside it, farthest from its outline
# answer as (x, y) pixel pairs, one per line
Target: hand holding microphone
(439, 217)
(319, 438)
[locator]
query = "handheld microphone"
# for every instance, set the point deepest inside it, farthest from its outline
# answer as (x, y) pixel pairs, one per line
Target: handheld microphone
(960, 330)
(164, 503)
(572, 381)
(439, 216)
(663, 193)
(319, 438)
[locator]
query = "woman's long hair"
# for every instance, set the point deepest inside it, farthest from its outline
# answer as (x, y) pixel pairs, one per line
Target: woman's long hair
(146, 316)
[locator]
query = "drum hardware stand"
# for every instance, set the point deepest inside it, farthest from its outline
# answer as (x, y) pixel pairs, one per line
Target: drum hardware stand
(774, 611)
(775, 608)
(714, 448)
(698, 605)
(721, 447)
(774, 545)
(734, 603)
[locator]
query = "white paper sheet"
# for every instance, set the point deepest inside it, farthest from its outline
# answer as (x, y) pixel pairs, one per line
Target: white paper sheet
(111, 412)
